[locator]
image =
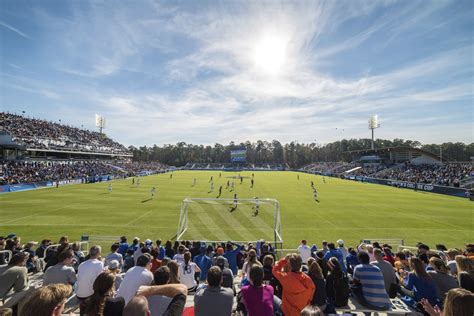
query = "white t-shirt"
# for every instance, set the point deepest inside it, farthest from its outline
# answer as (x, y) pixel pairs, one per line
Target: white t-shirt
(305, 252)
(179, 258)
(86, 275)
(186, 274)
(132, 280)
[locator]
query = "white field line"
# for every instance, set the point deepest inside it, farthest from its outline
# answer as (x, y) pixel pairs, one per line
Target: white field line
(37, 214)
(139, 217)
(234, 224)
(205, 218)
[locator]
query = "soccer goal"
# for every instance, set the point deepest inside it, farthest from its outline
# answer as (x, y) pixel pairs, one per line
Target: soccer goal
(221, 220)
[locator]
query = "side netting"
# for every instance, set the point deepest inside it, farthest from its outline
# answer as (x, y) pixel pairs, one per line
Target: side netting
(221, 220)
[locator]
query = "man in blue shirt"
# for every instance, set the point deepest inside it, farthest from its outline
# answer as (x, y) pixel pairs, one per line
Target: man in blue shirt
(370, 278)
(333, 252)
(204, 262)
(123, 246)
(231, 256)
(160, 249)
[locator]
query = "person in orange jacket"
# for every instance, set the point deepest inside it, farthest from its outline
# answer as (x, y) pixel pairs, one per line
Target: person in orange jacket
(298, 288)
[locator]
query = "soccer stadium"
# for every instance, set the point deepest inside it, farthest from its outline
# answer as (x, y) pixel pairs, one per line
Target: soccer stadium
(149, 161)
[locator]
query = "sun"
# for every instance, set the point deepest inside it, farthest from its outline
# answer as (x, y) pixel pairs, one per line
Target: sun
(270, 54)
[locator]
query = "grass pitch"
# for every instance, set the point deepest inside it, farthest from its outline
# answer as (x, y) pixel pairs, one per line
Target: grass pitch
(348, 210)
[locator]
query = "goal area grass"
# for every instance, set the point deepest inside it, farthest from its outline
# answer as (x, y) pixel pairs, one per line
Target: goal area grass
(346, 210)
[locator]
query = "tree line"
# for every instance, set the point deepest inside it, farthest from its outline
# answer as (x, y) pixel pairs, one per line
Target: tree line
(294, 154)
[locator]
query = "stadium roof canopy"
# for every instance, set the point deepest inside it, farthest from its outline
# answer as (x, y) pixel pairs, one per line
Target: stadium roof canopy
(398, 154)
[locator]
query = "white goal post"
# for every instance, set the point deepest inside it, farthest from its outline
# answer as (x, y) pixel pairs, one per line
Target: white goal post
(183, 224)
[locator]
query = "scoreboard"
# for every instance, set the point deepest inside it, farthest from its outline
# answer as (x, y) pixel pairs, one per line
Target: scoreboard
(239, 155)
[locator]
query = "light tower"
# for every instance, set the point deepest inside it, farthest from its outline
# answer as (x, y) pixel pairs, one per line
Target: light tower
(100, 122)
(373, 124)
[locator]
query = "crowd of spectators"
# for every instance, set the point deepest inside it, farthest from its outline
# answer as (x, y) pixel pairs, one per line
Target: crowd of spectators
(149, 278)
(30, 171)
(42, 134)
(239, 166)
(447, 174)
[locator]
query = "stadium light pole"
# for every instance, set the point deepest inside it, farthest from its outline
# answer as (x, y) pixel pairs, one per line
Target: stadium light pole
(100, 122)
(373, 124)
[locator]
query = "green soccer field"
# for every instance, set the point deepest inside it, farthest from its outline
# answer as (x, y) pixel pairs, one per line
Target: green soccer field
(348, 210)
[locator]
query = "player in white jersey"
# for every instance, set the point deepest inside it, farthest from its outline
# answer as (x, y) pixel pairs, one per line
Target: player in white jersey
(234, 207)
(138, 182)
(315, 195)
(110, 187)
(153, 192)
(212, 187)
(257, 206)
(232, 186)
(194, 182)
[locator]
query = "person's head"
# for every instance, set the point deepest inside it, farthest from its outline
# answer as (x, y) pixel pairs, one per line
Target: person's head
(256, 275)
(458, 302)
(45, 242)
(63, 240)
(325, 243)
(174, 271)
(66, 256)
(187, 257)
(422, 248)
(144, 260)
(252, 256)
(335, 266)
(315, 270)
(136, 240)
(452, 253)
(441, 247)
(463, 263)
(331, 246)
(168, 244)
(378, 254)
(363, 257)
(376, 244)
(340, 242)
(320, 254)
(220, 251)
(214, 276)
(400, 255)
(181, 249)
(158, 242)
(418, 267)
(229, 247)
(76, 246)
(123, 239)
(137, 306)
(438, 265)
(295, 262)
(114, 247)
(104, 283)
(46, 301)
(310, 260)
(95, 252)
(303, 242)
(268, 260)
(220, 262)
(312, 310)
(162, 275)
(114, 266)
(265, 248)
(19, 259)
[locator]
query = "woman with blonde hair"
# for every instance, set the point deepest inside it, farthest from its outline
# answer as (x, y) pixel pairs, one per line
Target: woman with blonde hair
(174, 272)
(46, 301)
(251, 260)
(458, 302)
(441, 277)
(465, 267)
(316, 274)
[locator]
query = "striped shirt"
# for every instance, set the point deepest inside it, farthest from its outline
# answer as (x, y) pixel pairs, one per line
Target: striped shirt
(373, 286)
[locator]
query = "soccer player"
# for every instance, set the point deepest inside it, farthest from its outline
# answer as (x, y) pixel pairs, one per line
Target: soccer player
(133, 180)
(232, 186)
(220, 174)
(257, 206)
(153, 192)
(194, 182)
(220, 191)
(315, 195)
(298, 177)
(210, 180)
(252, 175)
(312, 184)
(171, 175)
(212, 187)
(138, 182)
(324, 179)
(110, 187)
(241, 180)
(251, 183)
(234, 207)
(227, 186)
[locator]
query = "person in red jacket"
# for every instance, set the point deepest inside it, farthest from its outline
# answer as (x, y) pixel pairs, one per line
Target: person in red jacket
(298, 288)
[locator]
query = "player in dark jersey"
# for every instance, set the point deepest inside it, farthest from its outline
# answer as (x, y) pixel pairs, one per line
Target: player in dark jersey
(234, 207)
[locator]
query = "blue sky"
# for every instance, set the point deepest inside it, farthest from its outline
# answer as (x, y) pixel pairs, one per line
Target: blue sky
(216, 71)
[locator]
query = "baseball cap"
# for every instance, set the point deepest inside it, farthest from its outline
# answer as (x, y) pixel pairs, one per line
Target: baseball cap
(10, 236)
(114, 264)
(33, 243)
(148, 242)
(340, 242)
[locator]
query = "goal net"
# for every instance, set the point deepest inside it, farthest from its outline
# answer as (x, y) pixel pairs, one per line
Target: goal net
(221, 220)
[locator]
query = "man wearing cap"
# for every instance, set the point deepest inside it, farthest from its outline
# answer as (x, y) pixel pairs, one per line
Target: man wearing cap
(62, 272)
(203, 261)
(135, 277)
(304, 251)
(343, 250)
(231, 255)
(14, 278)
(114, 268)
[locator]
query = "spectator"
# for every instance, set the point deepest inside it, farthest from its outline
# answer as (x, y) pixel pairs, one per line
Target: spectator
(388, 256)
(204, 262)
(169, 249)
(78, 255)
(160, 249)
(136, 277)
(155, 262)
(227, 275)
(386, 268)
(176, 292)
(88, 272)
(343, 250)
(451, 256)
(336, 253)
(324, 249)
(316, 275)
(103, 302)
(135, 244)
(251, 261)
(40, 251)
(369, 284)
(138, 306)
(337, 285)
(128, 262)
(114, 268)
(179, 257)
(304, 251)
(458, 302)
(174, 272)
(213, 299)
(187, 271)
(418, 285)
(351, 260)
(298, 287)
(231, 256)
(14, 279)
(440, 275)
(322, 263)
(62, 272)
(159, 303)
(257, 298)
(123, 246)
(46, 301)
(114, 255)
(465, 269)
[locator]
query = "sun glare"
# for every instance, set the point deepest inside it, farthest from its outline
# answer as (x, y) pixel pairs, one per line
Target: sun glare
(270, 54)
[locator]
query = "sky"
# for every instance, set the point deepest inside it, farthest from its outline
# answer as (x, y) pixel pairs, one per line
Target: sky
(202, 72)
